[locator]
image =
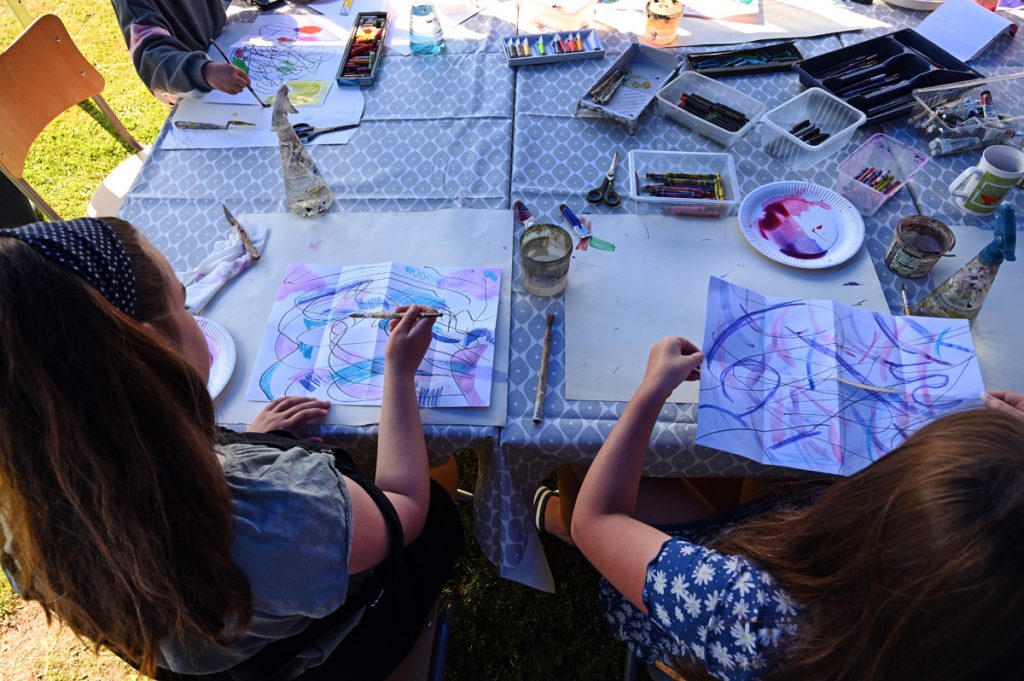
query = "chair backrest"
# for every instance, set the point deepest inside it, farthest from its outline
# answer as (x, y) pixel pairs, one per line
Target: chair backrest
(42, 74)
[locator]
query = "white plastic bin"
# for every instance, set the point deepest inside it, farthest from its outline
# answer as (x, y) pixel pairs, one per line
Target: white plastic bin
(829, 113)
(642, 161)
(690, 82)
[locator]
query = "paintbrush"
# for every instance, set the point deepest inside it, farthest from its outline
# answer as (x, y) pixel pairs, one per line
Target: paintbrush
(391, 315)
(249, 86)
(906, 303)
(542, 377)
(243, 235)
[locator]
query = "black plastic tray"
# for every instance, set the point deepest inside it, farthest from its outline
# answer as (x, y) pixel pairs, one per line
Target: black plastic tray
(918, 61)
(712, 63)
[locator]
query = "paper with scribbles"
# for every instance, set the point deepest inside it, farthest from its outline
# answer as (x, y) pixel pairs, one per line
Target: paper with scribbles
(312, 346)
(821, 386)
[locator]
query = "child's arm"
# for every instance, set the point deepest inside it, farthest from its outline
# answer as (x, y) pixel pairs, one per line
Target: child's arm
(172, 63)
(603, 524)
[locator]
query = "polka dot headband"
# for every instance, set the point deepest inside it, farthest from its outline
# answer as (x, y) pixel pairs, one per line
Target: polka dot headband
(90, 249)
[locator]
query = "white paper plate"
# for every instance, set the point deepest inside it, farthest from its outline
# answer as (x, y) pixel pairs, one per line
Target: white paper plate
(801, 225)
(222, 354)
(927, 5)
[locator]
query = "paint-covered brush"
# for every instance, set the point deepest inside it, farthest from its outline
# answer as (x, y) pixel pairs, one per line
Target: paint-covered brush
(392, 315)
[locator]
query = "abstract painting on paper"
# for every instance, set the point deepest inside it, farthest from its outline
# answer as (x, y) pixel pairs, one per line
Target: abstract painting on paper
(312, 346)
(283, 49)
(821, 386)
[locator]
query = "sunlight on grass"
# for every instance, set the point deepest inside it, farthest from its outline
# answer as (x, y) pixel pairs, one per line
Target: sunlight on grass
(73, 154)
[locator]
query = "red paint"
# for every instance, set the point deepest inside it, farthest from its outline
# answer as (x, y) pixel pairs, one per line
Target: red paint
(310, 30)
(780, 225)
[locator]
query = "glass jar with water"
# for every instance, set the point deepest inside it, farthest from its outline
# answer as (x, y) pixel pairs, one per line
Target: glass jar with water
(425, 35)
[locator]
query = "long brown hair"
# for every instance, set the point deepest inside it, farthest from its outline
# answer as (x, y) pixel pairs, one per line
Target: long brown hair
(116, 509)
(911, 568)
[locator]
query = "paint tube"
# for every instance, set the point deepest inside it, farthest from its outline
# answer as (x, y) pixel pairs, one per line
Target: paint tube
(944, 145)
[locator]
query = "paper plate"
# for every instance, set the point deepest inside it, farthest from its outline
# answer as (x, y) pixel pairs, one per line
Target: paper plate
(927, 5)
(222, 354)
(801, 225)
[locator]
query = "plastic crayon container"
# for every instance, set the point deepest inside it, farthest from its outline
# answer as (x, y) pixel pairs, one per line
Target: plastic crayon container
(876, 171)
(548, 48)
(647, 168)
(690, 83)
(829, 114)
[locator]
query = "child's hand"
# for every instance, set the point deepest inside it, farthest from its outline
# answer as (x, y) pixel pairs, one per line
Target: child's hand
(1006, 401)
(672, 360)
(410, 338)
(289, 413)
(225, 77)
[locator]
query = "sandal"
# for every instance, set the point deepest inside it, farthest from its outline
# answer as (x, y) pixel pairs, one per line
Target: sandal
(540, 505)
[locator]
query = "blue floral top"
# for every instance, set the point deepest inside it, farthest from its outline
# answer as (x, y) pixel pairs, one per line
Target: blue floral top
(721, 611)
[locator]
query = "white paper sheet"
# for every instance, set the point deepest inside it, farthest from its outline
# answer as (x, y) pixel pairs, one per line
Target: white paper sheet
(313, 346)
(284, 47)
(996, 330)
(816, 385)
(343, 105)
(619, 304)
(778, 19)
(962, 27)
(445, 238)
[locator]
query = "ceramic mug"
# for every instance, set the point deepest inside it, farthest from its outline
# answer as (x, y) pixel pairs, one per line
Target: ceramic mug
(980, 190)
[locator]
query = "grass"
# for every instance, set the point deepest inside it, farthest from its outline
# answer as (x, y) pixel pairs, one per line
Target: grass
(521, 633)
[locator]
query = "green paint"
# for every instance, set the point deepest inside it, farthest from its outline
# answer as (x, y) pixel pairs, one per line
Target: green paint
(240, 63)
(602, 245)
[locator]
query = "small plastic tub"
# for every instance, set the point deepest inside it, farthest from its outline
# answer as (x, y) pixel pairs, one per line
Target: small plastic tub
(690, 82)
(825, 111)
(643, 161)
(883, 154)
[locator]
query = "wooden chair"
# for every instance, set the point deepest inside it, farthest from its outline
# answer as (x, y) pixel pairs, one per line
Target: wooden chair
(42, 74)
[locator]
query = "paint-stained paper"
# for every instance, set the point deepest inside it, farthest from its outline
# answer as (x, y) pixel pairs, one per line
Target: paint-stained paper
(821, 386)
(313, 347)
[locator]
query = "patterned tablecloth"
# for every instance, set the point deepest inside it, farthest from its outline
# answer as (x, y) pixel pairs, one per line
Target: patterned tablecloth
(464, 130)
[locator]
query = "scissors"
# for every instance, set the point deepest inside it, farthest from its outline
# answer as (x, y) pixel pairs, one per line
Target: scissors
(307, 133)
(606, 192)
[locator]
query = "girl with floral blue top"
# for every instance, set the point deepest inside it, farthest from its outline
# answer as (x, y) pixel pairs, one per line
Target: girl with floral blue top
(909, 569)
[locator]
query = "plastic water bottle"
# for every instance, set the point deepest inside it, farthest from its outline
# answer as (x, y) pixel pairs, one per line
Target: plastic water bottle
(425, 30)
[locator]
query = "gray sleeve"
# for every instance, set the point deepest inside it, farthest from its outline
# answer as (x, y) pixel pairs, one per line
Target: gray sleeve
(162, 61)
(293, 522)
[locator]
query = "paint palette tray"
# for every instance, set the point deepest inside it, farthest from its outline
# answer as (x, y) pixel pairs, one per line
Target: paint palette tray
(898, 63)
(640, 72)
(365, 48)
(644, 161)
(588, 47)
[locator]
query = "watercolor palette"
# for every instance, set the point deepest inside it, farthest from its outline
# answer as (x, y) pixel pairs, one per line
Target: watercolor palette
(801, 225)
(222, 354)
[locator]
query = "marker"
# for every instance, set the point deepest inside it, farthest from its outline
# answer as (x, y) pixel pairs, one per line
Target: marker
(581, 230)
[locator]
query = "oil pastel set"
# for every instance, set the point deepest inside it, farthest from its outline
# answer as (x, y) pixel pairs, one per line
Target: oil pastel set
(552, 48)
